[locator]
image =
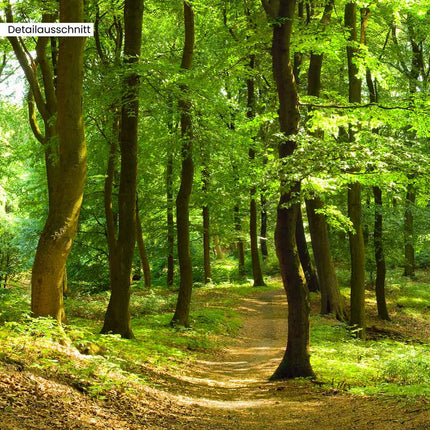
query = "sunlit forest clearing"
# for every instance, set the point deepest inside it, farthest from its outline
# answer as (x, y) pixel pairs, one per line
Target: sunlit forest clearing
(215, 215)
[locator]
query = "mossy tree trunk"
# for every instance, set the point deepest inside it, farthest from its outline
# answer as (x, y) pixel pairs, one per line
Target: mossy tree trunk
(66, 163)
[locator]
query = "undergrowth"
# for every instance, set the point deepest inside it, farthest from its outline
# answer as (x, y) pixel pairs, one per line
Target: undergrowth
(396, 362)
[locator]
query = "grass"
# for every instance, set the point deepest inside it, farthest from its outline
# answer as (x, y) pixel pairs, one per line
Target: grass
(395, 361)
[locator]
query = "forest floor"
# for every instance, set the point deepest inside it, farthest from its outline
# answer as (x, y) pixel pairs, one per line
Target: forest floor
(226, 390)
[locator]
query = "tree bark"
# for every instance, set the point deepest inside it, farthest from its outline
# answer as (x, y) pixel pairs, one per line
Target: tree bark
(66, 179)
(170, 221)
(296, 360)
(117, 318)
(379, 256)
(183, 198)
(305, 258)
(354, 189)
(332, 301)
(142, 249)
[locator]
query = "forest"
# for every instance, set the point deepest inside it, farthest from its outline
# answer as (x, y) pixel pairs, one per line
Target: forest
(215, 215)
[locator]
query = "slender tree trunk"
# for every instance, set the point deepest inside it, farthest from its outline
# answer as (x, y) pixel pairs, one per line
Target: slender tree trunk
(354, 189)
(409, 232)
(296, 361)
(206, 223)
(117, 318)
(218, 250)
(332, 301)
(257, 274)
(170, 221)
(378, 230)
(142, 249)
(169, 202)
(67, 177)
(183, 199)
(379, 256)
(239, 244)
(305, 258)
(263, 227)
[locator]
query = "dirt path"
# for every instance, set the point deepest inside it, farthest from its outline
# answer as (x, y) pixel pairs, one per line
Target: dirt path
(234, 391)
(229, 392)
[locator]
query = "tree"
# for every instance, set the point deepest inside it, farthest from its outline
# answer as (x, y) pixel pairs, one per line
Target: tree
(296, 360)
(65, 152)
(354, 188)
(117, 318)
(187, 174)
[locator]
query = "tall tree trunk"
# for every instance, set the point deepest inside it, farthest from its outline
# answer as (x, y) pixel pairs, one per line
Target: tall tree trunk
(206, 223)
(240, 246)
(142, 249)
(354, 189)
(296, 360)
(183, 199)
(257, 274)
(263, 226)
(408, 231)
(67, 176)
(378, 230)
(169, 202)
(117, 318)
(379, 257)
(170, 221)
(332, 301)
(218, 250)
(305, 258)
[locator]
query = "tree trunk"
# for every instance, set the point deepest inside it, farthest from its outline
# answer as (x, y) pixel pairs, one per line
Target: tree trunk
(117, 318)
(206, 221)
(206, 244)
(67, 177)
(142, 249)
(354, 189)
(378, 230)
(170, 222)
(296, 361)
(257, 274)
(305, 258)
(357, 260)
(379, 256)
(218, 250)
(409, 233)
(263, 227)
(332, 301)
(239, 244)
(183, 199)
